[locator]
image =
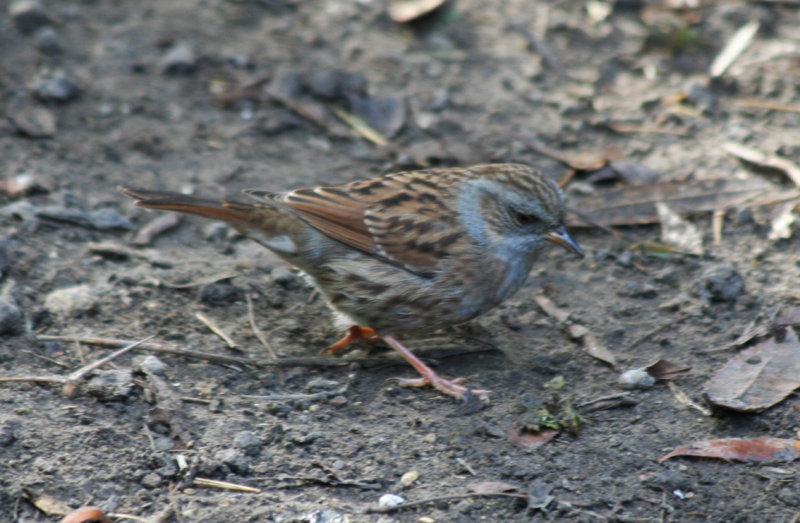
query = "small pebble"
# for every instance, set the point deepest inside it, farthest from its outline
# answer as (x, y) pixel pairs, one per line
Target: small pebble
(249, 442)
(385, 115)
(277, 121)
(336, 84)
(28, 15)
(409, 478)
(219, 293)
(153, 365)
(48, 40)
(426, 519)
(7, 434)
(151, 480)
(11, 317)
(234, 461)
(320, 383)
(722, 283)
(283, 276)
(44, 465)
(71, 301)
(112, 384)
(390, 500)
(636, 379)
(179, 60)
(429, 438)
(56, 86)
(338, 401)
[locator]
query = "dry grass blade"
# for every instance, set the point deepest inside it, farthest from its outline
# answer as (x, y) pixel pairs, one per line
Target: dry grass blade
(205, 320)
(203, 482)
(256, 331)
(359, 126)
(734, 48)
(750, 155)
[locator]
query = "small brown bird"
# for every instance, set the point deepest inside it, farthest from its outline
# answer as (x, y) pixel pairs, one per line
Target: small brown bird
(406, 252)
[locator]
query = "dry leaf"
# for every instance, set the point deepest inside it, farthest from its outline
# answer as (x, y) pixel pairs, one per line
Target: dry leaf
(781, 226)
(760, 450)
(578, 332)
(46, 503)
(665, 369)
(758, 377)
(87, 514)
(581, 161)
(403, 11)
(740, 41)
(530, 440)
(756, 157)
(677, 232)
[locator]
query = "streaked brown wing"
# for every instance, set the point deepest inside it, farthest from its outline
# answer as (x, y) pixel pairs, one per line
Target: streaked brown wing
(405, 217)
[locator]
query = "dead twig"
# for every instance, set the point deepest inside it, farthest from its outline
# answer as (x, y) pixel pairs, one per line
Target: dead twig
(70, 382)
(256, 331)
(359, 126)
(203, 482)
(766, 104)
(684, 399)
(205, 320)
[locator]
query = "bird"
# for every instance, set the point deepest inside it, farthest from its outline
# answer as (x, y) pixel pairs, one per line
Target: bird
(406, 252)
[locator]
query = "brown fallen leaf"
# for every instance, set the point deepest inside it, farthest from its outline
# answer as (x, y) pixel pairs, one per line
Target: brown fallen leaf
(636, 205)
(665, 369)
(761, 450)
(758, 377)
(578, 332)
(581, 161)
(763, 160)
(87, 514)
(46, 503)
(530, 440)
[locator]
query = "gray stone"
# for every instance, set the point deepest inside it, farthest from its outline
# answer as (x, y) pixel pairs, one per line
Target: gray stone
(11, 317)
(248, 442)
(28, 15)
(111, 385)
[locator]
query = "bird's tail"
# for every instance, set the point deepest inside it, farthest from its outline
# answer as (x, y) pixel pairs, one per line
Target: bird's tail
(243, 216)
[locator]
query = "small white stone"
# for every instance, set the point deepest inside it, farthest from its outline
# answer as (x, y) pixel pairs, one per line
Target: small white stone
(636, 379)
(390, 500)
(71, 301)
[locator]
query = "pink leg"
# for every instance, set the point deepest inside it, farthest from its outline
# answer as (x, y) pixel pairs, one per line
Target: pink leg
(429, 377)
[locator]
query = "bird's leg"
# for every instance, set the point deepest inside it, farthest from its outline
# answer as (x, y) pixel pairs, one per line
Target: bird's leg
(354, 333)
(429, 377)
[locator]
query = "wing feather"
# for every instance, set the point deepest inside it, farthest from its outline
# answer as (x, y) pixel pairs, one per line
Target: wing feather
(406, 218)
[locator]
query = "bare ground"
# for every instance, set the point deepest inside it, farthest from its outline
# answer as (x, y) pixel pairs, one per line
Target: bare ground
(473, 91)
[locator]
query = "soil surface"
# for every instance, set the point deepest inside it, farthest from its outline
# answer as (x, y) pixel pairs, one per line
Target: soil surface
(217, 96)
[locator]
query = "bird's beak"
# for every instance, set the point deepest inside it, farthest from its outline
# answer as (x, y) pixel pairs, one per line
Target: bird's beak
(561, 237)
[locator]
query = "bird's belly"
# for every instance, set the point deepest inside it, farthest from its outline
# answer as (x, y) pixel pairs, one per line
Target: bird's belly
(393, 300)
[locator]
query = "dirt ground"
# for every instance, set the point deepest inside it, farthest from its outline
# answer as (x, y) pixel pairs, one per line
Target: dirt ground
(217, 96)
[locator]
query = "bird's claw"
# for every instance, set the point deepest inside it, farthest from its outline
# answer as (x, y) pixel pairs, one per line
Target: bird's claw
(450, 387)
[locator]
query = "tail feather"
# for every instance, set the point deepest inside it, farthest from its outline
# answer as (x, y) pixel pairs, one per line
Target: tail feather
(240, 215)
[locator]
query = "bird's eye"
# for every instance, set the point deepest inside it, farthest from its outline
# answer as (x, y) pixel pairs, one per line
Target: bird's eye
(525, 219)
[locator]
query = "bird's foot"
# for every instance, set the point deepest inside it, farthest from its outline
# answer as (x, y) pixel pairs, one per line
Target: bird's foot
(354, 333)
(450, 387)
